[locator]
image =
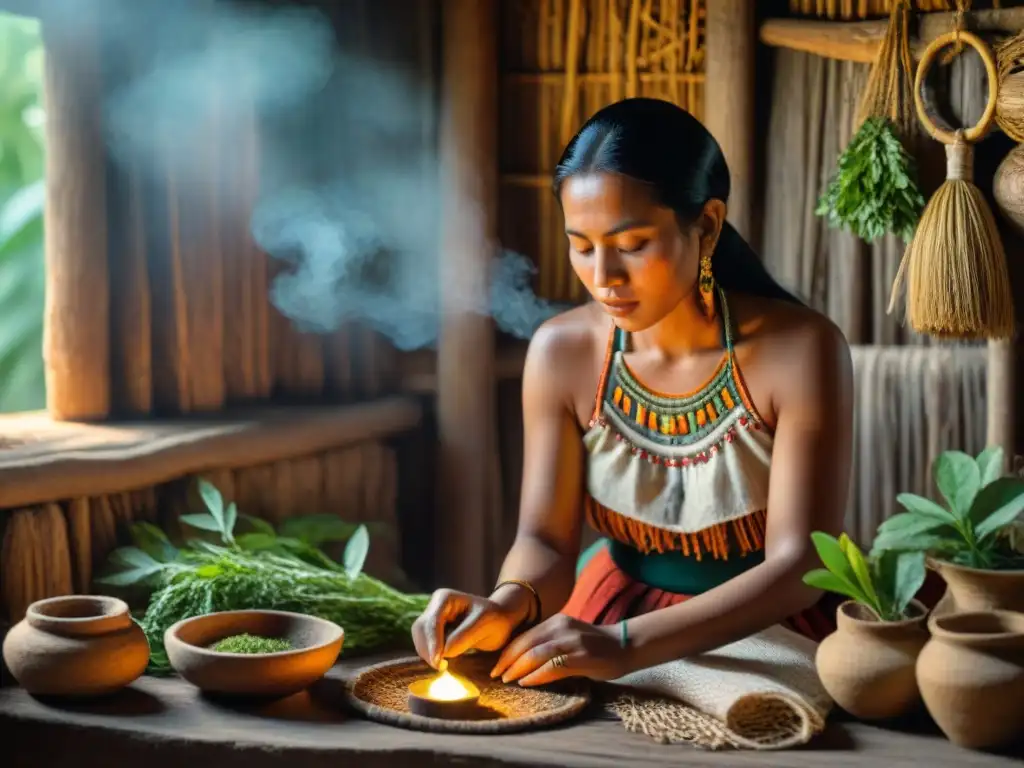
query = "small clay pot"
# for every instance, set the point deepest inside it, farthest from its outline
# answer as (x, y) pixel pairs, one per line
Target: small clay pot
(76, 646)
(316, 644)
(867, 665)
(971, 675)
(976, 589)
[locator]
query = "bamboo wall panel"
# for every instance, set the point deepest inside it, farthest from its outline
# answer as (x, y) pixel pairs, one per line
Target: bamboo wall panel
(58, 548)
(562, 60)
(861, 9)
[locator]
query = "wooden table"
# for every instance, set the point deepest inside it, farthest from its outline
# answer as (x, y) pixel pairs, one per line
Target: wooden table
(165, 722)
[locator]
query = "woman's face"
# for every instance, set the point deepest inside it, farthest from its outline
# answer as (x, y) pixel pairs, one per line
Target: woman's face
(627, 250)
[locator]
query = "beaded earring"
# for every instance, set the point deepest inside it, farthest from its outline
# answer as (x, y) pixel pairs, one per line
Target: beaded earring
(706, 285)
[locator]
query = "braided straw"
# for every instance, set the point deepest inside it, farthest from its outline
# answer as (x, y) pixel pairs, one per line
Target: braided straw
(1010, 102)
(958, 284)
(888, 91)
(381, 693)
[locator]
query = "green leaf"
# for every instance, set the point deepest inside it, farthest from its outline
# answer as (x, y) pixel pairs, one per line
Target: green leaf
(958, 479)
(903, 531)
(860, 569)
(318, 529)
(997, 505)
(257, 541)
(154, 542)
(834, 559)
(918, 541)
(909, 576)
(829, 582)
(203, 522)
(133, 557)
(130, 577)
(259, 526)
(355, 552)
(990, 464)
(919, 505)
(214, 502)
(230, 518)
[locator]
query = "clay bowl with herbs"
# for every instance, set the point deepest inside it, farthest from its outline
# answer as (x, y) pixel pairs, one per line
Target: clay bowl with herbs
(253, 654)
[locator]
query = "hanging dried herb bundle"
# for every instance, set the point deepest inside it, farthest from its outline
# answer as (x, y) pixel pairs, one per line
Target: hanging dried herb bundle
(874, 190)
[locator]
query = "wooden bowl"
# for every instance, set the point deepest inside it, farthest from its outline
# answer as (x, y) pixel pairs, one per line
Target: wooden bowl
(316, 644)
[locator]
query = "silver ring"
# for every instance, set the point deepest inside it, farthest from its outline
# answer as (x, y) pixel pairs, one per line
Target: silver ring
(559, 661)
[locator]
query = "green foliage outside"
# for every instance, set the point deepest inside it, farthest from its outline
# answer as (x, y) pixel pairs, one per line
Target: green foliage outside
(22, 286)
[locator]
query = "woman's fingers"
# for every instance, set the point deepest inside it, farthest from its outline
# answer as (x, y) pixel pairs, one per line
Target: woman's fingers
(538, 635)
(467, 635)
(534, 659)
(549, 672)
(428, 631)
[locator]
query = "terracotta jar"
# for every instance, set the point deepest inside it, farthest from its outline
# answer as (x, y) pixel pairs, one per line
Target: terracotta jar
(971, 675)
(76, 645)
(867, 665)
(974, 589)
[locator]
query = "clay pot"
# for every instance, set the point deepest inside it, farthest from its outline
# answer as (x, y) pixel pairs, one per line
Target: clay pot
(975, 589)
(76, 645)
(971, 675)
(867, 665)
(316, 644)
(1008, 186)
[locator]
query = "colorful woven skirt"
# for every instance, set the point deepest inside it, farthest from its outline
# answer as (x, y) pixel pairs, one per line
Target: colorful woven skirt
(605, 595)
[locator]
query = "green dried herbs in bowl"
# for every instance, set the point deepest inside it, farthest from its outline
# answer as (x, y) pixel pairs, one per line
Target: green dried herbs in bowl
(246, 643)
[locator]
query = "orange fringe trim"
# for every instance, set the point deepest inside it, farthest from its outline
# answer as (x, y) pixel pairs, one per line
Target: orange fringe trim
(747, 534)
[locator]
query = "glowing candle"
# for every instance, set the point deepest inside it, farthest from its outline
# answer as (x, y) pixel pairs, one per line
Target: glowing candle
(443, 695)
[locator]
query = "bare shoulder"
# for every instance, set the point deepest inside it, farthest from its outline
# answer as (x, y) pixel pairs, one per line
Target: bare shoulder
(785, 339)
(566, 349)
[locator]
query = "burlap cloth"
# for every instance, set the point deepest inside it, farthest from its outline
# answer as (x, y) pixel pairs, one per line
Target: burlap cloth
(759, 693)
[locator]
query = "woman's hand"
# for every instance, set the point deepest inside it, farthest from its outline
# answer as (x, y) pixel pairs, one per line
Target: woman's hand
(588, 651)
(479, 623)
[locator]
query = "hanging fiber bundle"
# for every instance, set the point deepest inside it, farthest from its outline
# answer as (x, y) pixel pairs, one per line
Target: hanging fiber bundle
(958, 284)
(1010, 102)
(874, 190)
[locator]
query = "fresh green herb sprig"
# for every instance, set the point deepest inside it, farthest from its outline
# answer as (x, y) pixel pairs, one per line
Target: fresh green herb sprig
(264, 569)
(246, 643)
(884, 583)
(973, 529)
(874, 190)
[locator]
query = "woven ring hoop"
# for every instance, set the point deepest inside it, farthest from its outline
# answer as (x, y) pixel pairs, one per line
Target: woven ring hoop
(559, 661)
(921, 102)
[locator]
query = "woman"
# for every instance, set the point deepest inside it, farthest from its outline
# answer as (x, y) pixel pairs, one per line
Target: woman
(707, 499)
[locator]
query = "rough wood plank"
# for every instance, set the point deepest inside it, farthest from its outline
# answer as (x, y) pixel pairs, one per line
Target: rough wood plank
(77, 317)
(729, 79)
(49, 460)
(859, 40)
(165, 722)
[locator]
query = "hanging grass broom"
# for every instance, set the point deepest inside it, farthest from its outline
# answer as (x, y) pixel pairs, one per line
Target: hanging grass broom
(958, 284)
(874, 190)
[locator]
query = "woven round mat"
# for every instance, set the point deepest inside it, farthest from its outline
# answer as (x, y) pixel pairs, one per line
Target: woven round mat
(380, 693)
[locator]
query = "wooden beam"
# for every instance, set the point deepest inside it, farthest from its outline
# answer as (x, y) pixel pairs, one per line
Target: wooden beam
(45, 460)
(729, 75)
(466, 414)
(859, 40)
(76, 343)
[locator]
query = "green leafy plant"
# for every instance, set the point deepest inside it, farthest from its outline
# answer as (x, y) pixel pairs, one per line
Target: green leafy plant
(260, 568)
(885, 584)
(983, 504)
(874, 190)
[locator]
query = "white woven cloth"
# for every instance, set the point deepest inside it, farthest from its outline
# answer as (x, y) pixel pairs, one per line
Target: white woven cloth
(762, 692)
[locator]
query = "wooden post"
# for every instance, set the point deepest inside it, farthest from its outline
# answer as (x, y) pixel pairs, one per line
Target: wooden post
(76, 343)
(730, 67)
(465, 358)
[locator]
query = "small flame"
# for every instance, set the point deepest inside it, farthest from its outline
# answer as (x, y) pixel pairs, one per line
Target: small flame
(448, 687)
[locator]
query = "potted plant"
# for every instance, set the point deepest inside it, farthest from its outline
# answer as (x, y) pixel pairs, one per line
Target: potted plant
(974, 542)
(867, 664)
